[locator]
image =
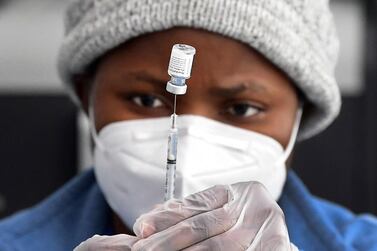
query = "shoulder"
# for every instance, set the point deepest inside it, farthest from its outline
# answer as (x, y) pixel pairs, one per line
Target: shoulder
(59, 222)
(314, 222)
(360, 230)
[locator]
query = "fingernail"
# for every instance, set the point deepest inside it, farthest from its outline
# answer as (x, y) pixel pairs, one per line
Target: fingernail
(147, 230)
(230, 194)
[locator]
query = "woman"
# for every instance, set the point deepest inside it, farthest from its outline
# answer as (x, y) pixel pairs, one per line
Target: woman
(259, 64)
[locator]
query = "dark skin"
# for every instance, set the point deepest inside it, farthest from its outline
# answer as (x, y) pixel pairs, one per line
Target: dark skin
(230, 82)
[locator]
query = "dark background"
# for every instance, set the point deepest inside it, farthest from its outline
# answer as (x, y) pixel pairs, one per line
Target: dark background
(341, 163)
(38, 148)
(38, 145)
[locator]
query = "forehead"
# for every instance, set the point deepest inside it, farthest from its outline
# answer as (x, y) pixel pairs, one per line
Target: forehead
(218, 58)
(211, 47)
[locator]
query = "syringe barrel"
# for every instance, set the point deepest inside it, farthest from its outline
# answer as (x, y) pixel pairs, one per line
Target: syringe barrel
(170, 180)
(172, 145)
(171, 164)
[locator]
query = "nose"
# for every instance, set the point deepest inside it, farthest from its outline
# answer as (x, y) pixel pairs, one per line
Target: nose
(188, 106)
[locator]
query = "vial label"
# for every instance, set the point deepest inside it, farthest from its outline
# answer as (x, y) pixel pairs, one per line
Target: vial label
(178, 65)
(181, 60)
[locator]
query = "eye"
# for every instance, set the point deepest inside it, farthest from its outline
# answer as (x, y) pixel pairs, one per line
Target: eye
(148, 101)
(243, 110)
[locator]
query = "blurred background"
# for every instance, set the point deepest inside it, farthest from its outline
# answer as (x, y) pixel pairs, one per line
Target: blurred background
(44, 139)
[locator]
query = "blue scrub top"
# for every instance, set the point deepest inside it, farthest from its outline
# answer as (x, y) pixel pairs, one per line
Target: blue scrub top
(78, 211)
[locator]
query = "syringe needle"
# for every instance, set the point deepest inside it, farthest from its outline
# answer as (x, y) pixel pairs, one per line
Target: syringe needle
(175, 104)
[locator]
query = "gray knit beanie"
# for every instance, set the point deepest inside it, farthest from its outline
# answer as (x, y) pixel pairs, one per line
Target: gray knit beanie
(296, 35)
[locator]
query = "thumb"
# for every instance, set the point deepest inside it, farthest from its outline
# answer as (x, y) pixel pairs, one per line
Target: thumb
(120, 242)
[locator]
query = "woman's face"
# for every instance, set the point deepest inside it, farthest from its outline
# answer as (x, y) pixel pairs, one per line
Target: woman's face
(230, 82)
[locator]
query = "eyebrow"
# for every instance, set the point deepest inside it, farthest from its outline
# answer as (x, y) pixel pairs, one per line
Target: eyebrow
(144, 76)
(233, 90)
(223, 91)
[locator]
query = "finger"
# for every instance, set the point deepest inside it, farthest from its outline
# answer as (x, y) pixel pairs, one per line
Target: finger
(239, 240)
(189, 231)
(220, 243)
(272, 234)
(174, 211)
(225, 242)
(261, 221)
(260, 224)
(119, 242)
(257, 210)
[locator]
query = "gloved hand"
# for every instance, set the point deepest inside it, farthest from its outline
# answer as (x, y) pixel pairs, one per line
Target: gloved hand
(120, 242)
(242, 216)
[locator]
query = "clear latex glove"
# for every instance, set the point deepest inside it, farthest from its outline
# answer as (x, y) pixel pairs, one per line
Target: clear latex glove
(242, 216)
(120, 242)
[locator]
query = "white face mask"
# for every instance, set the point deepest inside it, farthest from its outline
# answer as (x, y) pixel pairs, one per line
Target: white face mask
(130, 160)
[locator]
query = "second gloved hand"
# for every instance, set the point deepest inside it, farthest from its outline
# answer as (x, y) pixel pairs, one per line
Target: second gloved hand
(242, 216)
(120, 242)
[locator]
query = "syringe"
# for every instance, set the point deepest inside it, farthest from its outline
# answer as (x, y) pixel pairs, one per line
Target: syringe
(181, 59)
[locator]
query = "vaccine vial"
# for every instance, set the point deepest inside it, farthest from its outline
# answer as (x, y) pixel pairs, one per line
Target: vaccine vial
(180, 65)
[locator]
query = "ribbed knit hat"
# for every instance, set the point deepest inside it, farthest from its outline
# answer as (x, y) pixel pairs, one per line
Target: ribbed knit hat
(298, 36)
